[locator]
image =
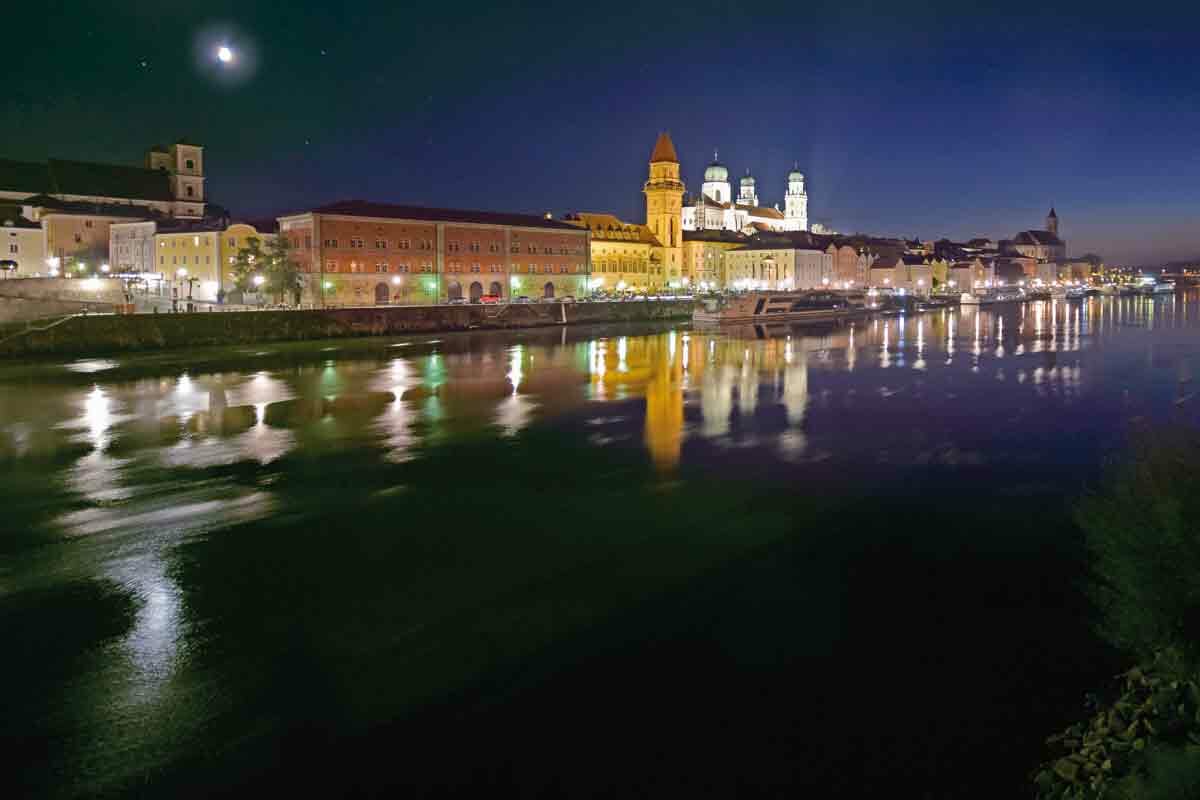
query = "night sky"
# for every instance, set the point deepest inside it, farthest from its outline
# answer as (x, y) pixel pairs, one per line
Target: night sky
(928, 120)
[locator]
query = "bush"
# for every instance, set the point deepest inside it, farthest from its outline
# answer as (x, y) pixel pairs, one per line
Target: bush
(1143, 535)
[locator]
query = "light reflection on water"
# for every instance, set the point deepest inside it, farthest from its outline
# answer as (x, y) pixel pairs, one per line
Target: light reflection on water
(148, 464)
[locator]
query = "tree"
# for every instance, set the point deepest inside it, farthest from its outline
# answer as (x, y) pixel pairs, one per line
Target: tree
(272, 270)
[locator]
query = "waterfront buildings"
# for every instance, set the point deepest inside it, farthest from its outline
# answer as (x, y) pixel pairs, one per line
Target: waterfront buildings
(76, 202)
(358, 252)
(779, 262)
(704, 252)
(622, 253)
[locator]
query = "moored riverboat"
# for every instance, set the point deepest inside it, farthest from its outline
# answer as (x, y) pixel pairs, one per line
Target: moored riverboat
(763, 307)
(987, 297)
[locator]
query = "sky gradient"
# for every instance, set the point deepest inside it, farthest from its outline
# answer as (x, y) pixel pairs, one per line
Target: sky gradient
(927, 120)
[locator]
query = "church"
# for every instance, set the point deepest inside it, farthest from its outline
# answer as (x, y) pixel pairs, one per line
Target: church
(716, 208)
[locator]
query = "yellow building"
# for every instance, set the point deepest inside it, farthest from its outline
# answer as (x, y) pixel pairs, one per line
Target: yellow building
(704, 262)
(621, 253)
(190, 261)
(664, 212)
(232, 240)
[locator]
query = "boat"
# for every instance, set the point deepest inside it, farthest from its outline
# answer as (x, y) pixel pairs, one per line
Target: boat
(987, 297)
(1076, 293)
(772, 307)
(1127, 291)
(1166, 287)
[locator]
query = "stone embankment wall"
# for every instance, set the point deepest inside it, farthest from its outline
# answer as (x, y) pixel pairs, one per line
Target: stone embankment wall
(114, 333)
(35, 298)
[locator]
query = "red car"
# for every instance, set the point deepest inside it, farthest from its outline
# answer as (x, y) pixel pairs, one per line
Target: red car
(489, 299)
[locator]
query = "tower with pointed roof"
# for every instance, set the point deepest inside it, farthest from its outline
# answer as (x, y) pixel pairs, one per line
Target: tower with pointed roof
(1052, 222)
(664, 206)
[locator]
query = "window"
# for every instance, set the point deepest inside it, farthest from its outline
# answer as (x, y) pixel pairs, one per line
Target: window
(381, 244)
(78, 238)
(190, 164)
(308, 242)
(402, 268)
(207, 259)
(516, 248)
(427, 267)
(356, 243)
(232, 260)
(331, 266)
(452, 247)
(162, 260)
(533, 248)
(547, 250)
(330, 243)
(190, 191)
(355, 266)
(13, 247)
(87, 223)
(474, 247)
(475, 267)
(402, 244)
(174, 259)
(493, 248)
(382, 267)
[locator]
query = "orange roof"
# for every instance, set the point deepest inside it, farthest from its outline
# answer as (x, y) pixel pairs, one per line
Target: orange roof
(664, 149)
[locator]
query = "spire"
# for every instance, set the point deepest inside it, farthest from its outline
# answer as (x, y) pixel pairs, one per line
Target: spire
(1052, 215)
(664, 149)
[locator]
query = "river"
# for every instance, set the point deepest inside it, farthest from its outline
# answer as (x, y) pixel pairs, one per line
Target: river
(571, 560)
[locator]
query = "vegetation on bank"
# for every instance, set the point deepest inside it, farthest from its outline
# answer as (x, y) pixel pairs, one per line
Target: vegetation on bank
(1143, 536)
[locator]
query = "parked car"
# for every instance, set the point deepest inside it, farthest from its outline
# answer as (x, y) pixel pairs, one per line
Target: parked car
(458, 301)
(522, 299)
(566, 298)
(490, 299)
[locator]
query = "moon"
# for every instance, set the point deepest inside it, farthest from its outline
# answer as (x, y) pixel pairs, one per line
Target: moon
(224, 54)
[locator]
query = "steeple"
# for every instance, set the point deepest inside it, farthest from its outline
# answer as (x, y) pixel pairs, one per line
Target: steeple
(1052, 221)
(664, 149)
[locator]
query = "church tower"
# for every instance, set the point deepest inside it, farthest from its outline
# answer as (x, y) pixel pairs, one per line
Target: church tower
(748, 196)
(1052, 222)
(664, 208)
(795, 207)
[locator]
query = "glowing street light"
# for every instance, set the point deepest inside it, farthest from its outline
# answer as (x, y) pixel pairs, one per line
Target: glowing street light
(224, 54)
(396, 280)
(181, 272)
(259, 280)
(104, 268)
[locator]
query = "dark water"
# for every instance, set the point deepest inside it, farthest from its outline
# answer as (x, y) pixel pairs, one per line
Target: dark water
(581, 561)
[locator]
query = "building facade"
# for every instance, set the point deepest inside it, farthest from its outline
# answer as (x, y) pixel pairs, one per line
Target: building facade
(778, 263)
(189, 260)
(1043, 245)
(360, 253)
(704, 265)
(664, 205)
(22, 245)
(131, 247)
(717, 208)
(621, 253)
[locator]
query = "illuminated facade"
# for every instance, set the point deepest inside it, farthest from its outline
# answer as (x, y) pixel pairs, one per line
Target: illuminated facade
(716, 207)
(189, 260)
(621, 253)
(664, 206)
(359, 253)
(778, 263)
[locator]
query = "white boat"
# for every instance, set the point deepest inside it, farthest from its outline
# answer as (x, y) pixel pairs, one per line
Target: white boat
(987, 297)
(758, 307)
(1076, 292)
(1166, 287)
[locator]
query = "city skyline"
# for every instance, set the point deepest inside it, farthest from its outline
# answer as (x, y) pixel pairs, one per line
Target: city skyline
(916, 123)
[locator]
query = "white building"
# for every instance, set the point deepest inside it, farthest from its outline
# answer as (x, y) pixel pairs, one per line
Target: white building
(717, 208)
(131, 246)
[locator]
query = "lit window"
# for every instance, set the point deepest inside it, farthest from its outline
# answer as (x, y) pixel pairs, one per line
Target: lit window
(381, 244)
(402, 244)
(356, 242)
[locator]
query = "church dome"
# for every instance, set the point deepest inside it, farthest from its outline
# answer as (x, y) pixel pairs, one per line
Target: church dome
(748, 180)
(795, 175)
(716, 172)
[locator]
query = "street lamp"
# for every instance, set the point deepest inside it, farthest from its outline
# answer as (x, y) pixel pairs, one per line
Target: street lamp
(104, 268)
(258, 280)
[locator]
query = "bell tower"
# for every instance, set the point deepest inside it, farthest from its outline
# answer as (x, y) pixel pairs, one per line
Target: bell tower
(796, 201)
(664, 206)
(1052, 222)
